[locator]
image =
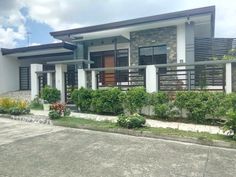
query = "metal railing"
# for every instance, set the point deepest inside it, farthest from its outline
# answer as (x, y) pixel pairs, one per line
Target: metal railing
(123, 79)
(197, 78)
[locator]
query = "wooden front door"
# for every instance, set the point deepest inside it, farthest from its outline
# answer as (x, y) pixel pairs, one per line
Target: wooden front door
(109, 76)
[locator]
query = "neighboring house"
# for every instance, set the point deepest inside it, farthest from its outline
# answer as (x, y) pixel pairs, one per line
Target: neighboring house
(183, 37)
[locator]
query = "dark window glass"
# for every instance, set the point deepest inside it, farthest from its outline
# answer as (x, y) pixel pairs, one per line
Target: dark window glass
(153, 55)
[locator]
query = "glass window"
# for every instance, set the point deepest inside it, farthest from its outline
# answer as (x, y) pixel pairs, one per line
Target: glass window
(153, 55)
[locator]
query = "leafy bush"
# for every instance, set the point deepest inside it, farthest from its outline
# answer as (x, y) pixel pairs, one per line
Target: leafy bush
(134, 99)
(54, 115)
(82, 98)
(15, 111)
(14, 107)
(230, 124)
(131, 121)
(195, 103)
(51, 95)
(107, 101)
(158, 98)
(57, 110)
(2, 110)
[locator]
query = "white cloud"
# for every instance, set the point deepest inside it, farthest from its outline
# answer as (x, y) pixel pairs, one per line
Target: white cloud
(11, 23)
(67, 14)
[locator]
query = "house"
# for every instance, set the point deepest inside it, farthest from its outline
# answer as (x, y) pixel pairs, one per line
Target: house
(137, 52)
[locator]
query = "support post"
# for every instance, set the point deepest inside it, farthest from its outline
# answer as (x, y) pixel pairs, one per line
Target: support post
(60, 79)
(228, 78)
(34, 79)
(94, 80)
(49, 79)
(82, 81)
(151, 79)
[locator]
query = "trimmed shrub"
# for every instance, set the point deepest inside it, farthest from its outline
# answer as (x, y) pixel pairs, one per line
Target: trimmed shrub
(107, 101)
(230, 124)
(158, 98)
(15, 111)
(82, 98)
(57, 110)
(134, 99)
(51, 95)
(131, 121)
(54, 115)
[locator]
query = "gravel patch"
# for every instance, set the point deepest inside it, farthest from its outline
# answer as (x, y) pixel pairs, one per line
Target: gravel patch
(29, 118)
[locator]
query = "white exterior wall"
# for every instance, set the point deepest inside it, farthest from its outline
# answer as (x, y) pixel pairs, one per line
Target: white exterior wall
(9, 74)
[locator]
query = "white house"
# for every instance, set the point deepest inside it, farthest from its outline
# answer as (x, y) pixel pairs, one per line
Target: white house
(165, 52)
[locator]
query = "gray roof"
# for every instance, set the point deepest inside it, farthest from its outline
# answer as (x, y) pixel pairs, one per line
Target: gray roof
(126, 23)
(38, 47)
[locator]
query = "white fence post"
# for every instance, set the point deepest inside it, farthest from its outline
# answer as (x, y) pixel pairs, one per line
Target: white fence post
(49, 79)
(60, 79)
(34, 79)
(94, 80)
(228, 78)
(82, 81)
(151, 79)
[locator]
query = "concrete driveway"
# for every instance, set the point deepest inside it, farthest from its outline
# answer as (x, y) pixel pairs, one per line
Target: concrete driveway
(32, 150)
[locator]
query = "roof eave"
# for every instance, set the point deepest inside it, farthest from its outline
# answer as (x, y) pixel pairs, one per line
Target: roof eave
(126, 23)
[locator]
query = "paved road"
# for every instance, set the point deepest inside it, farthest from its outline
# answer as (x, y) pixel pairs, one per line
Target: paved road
(31, 150)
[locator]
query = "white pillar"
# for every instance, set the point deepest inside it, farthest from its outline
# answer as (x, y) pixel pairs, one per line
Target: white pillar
(94, 80)
(60, 79)
(82, 78)
(151, 79)
(49, 79)
(228, 78)
(34, 79)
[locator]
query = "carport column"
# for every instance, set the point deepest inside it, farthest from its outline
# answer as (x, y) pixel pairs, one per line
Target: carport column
(151, 79)
(49, 79)
(34, 79)
(60, 79)
(94, 80)
(228, 77)
(82, 82)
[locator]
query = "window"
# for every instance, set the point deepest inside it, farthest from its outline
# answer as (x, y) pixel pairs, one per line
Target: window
(153, 55)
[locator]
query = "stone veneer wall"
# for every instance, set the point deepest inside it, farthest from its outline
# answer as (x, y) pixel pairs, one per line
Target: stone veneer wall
(153, 37)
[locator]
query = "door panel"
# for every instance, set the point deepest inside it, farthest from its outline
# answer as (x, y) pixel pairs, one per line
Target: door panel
(109, 76)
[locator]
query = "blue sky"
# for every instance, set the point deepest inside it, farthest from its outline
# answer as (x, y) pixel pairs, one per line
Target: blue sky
(39, 17)
(38, 32)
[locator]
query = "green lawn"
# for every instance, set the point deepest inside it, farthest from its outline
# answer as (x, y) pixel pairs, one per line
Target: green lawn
(113, 127)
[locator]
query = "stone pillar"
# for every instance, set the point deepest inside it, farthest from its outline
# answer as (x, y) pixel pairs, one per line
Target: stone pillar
(151, 79)
(34, 79)
(228, 78)
(50, 79)
(94, 80)
(60, 79)
(82, 82)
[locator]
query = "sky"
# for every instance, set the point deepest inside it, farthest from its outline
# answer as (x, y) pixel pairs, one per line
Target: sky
(21, 20)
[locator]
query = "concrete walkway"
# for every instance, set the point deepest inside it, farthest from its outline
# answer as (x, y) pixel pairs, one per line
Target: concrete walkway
(29, 150)
(149, 122)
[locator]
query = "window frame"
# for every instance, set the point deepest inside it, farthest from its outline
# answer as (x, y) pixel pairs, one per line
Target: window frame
(152, 47)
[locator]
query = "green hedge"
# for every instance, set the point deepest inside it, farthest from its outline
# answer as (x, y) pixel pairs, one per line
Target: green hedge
(200, 106)
(49, 94)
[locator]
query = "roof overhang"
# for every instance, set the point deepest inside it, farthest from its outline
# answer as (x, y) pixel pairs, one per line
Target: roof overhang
(40, 50)
(201, 16)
